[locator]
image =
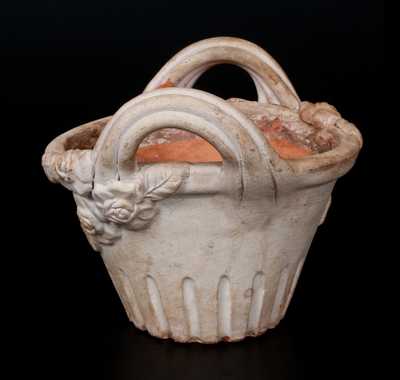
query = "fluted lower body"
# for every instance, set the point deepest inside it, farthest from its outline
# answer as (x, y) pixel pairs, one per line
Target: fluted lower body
(189, 312)
(207, 271)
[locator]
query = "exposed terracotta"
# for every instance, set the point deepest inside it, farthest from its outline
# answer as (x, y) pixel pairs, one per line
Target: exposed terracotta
(166, 84)
(183, 146)
(193, 150)
(205, 238)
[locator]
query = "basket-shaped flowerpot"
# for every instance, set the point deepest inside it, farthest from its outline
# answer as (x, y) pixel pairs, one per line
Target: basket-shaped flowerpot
(210, 247)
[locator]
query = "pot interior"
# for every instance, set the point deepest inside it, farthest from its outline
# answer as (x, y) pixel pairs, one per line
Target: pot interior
(289, 136)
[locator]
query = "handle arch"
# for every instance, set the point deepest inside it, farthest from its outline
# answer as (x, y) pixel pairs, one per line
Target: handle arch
(248, 161)
(183, 70)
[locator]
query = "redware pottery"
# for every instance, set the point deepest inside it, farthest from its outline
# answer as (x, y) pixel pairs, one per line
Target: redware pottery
(204, 226)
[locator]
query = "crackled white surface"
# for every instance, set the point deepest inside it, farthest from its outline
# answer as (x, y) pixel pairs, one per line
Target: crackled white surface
(204, 252)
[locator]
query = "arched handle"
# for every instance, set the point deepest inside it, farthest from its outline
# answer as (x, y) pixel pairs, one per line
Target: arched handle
(248, 161)
(272, 84)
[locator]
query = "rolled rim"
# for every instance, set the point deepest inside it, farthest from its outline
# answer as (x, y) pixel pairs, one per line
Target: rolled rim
(332, 163)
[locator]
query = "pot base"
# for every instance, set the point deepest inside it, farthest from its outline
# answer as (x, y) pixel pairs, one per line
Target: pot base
(224, 339)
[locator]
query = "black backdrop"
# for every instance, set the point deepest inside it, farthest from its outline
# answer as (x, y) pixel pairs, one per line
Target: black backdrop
(64, 63)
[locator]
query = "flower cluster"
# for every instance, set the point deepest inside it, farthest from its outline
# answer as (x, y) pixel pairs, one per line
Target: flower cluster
(129, 203)
(125, 202)
(97, 232)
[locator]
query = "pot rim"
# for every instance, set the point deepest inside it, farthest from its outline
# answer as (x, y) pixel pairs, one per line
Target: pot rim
(332, 163)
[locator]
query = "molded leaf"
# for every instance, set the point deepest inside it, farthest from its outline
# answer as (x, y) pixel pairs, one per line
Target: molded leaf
(161, 184)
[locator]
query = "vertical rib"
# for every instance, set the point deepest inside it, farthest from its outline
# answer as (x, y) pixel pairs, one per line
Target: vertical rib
(257, 300)
(132, 301)
(156, 303)
(224, 308)
(191, 309)
(280, 294)
(294, 283)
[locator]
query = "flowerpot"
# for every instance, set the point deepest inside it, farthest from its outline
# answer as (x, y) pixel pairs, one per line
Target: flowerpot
(204, 228)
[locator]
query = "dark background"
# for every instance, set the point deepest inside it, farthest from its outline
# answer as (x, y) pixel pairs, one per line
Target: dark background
(64, 63)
